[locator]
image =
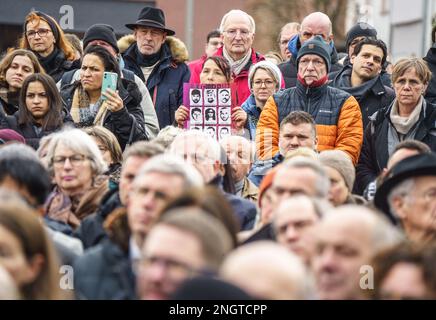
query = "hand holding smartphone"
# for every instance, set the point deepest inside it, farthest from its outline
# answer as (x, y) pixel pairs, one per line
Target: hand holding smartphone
(109, 82)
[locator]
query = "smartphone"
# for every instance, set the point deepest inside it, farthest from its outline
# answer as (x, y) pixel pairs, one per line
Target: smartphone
(109, 82)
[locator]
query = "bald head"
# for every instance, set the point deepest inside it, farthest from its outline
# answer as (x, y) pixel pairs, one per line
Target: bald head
(266, 270)
(316, 23)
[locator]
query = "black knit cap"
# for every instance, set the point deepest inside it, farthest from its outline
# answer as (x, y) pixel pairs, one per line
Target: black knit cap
(360, 29)
(317, 46)
(51, 22)
(102, 32)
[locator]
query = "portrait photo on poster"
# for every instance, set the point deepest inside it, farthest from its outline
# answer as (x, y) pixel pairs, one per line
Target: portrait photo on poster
(224, 115)
(224, 97)
(210, 131)
(196, 128)
(223, 132)
(195, 97)
(210, 116)
(196, 115)
(210, 97)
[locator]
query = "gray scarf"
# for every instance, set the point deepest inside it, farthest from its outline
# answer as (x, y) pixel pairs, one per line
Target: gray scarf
(404, 124)
(237, 65)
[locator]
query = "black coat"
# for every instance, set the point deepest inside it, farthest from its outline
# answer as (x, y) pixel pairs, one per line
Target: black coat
(374, 155)
(91, 230)
(430, 58)
(245, 211)
(120, 123)
(7, 108)
(371, 98)
(165, 83)
(28, 131)
(104, 272)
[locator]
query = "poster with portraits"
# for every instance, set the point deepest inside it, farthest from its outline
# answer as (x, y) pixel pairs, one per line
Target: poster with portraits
(210, 108)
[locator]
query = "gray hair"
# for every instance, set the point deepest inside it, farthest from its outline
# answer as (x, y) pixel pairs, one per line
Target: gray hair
(167, 135)
(323, 181)
(18, 150)
(400, 190)
(239, 12)
(80, 142)
(172, 164)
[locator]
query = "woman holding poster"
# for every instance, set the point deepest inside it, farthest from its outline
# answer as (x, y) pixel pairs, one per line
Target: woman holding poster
(216, 70)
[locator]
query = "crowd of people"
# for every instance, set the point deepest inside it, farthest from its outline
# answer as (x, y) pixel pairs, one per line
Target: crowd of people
(325, 189)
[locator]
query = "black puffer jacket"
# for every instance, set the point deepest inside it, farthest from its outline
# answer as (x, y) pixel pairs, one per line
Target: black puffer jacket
(165, 83)
(375, 155)
(125, 123)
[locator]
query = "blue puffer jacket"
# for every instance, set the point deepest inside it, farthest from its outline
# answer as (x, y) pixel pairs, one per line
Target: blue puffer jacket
(165, 83)
(253, 115)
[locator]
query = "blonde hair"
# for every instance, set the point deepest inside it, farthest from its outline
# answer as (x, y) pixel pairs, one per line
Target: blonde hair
(420, 66)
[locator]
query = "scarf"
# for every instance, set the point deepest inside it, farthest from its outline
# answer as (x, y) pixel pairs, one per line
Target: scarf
(50, 63)
(149, 60)
(404, 124)
(83, 114)
(237, 65)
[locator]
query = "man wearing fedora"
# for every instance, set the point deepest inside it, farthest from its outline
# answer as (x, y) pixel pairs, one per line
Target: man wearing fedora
(157, 60)
(408, 195)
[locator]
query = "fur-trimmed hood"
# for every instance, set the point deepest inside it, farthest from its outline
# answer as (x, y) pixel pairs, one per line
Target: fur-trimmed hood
(178, 48)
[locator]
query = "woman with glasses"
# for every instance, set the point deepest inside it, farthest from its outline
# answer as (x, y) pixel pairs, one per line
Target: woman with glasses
(409, 116)
(15, 67)
(43, 35)
(77, 169)
(40, 112)
(264, 79)
(118, 110)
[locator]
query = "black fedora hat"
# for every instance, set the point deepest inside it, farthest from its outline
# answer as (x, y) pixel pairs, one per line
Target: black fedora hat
(411, 167)
(153, 18)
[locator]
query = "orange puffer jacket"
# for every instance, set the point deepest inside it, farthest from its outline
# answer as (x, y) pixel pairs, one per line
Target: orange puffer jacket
(337, 116)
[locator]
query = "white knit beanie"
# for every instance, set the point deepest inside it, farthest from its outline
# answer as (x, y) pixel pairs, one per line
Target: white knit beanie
(342, 163)
(266, 65)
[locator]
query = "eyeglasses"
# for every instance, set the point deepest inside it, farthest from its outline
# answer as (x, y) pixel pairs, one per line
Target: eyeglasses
(40, 32)
(316, 63)
(244, 33)
(75, 160)
(267, 83)
(308, 35)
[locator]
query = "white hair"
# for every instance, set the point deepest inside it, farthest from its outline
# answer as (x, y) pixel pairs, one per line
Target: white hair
(18, 150)
(237, 12)
(322, 185)
(172, 164)
(78, 141)
(247, 144)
